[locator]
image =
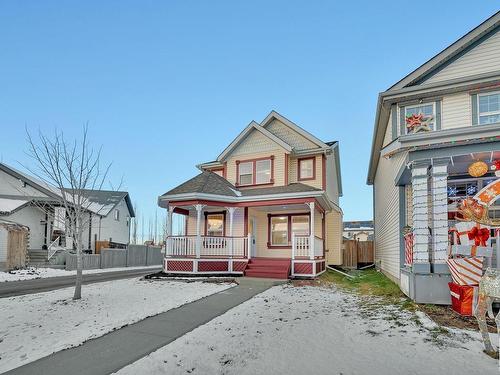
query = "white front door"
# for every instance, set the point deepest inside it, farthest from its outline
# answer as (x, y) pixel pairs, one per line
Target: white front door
(253, 233)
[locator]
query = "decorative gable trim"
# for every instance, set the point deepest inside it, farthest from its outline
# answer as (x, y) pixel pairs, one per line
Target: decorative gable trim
(273, 115)
(253, 126)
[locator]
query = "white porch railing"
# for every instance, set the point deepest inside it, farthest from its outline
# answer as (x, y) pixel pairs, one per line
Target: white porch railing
(211, 246)
(318, 247)
(301, 248)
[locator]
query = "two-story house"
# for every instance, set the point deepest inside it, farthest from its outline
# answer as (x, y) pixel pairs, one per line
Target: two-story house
(436, 140)
(29, 202)
(267, 206)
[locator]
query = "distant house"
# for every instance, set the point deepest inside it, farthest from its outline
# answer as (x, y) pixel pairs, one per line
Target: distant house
(23, 196)
(267, 206)
(358, 230)
(435, 142)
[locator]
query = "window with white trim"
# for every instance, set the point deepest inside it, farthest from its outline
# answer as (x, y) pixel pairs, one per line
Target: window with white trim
(489, 108)
(117, 215)
(428, 110)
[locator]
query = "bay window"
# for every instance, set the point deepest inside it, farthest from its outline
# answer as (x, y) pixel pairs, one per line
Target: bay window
(255, 172)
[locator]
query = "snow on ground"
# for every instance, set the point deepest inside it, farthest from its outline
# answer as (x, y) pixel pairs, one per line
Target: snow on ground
(312, 330)
(35, 325)
(31, 273)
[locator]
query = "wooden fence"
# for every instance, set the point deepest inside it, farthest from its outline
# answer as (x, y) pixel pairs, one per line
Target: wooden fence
(357, 252)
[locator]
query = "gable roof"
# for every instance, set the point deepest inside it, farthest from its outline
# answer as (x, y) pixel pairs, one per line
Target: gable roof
(253, 126)
(450, 53)
(104, 201)
(32, 181)
(410, 82)
(273, 115)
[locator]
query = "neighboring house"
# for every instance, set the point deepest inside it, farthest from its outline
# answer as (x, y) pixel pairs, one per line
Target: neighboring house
(22, 198)
(270, 199)
(358, 230)
(430, 127)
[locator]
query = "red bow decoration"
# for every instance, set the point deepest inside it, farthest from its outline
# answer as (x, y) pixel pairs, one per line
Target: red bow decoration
(479, 235)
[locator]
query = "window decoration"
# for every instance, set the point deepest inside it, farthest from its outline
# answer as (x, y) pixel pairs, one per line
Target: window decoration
(471, 189)
(419, 118)
(495, 166)
(452, 191)
(307, 169)
(478, 168)
(255, 172)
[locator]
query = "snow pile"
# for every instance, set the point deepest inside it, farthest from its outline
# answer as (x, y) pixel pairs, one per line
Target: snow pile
(31, 273)
(308, 330)
(36, 325)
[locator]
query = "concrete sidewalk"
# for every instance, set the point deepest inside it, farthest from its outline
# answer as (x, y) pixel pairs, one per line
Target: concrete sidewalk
(16, 288)
(111, 352)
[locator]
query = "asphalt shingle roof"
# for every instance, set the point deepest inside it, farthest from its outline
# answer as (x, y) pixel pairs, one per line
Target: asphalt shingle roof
(211, 183)
(206, 182)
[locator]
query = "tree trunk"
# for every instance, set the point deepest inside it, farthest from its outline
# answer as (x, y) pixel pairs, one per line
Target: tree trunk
(79, 261)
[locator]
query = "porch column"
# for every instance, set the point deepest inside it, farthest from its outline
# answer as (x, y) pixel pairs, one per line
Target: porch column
(199, 208)
(439, 194)
(420, 217)
(230, 240)
(168, 242)
(311, 230)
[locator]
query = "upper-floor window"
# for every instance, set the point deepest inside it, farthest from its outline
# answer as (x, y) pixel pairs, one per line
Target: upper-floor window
(419, 117)
(117, 215)
(255, 172)
(306, 168)
(489, 108)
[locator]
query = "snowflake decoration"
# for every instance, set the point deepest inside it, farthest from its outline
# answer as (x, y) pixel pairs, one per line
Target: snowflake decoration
(452, 191)
(471, 189)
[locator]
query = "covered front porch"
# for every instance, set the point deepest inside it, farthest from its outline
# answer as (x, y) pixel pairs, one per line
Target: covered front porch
(432, 183)
(273, 238)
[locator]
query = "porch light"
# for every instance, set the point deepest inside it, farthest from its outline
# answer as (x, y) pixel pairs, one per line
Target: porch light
(478, 168)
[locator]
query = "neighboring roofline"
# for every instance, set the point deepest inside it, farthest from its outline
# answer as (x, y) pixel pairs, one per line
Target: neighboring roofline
(23, 177)
(386, 98)
(250, 127)
(275, 115)
(437, 62)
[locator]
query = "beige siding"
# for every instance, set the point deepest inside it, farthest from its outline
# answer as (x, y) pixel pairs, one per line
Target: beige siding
(456, 111)
(255, 142)
(388, 132)
(290, 136)
(386, 214)
(333, 226)
(484, 58)
(293, 170)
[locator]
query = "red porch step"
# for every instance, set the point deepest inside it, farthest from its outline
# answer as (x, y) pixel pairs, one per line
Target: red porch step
(268, 268)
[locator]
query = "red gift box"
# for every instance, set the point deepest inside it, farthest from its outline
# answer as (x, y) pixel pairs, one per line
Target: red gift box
(463, 298)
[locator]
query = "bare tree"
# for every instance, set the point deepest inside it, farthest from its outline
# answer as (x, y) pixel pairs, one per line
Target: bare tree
(73, 168)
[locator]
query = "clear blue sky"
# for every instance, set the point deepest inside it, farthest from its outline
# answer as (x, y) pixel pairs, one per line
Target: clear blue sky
(168, 84)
